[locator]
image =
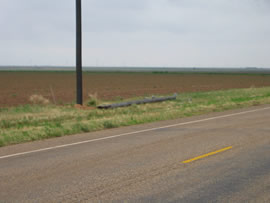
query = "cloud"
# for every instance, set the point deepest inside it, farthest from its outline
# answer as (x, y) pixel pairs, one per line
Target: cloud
(141, 32)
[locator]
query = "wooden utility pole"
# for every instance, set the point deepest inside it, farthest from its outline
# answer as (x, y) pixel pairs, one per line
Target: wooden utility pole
(79, 51)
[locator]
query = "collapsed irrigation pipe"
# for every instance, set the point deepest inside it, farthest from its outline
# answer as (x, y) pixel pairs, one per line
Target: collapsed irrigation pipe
(143, 101)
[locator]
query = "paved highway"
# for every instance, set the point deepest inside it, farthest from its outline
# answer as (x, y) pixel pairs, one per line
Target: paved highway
(219, 157)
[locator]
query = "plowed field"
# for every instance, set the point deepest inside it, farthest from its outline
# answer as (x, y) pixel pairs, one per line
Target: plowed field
(17, 87)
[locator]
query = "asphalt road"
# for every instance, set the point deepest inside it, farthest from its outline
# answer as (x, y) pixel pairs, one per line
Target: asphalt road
(220, 157)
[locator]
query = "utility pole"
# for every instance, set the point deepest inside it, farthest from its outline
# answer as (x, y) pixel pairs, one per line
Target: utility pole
(79, 51)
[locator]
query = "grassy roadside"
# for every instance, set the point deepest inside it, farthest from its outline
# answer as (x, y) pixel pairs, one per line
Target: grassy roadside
(35, 122)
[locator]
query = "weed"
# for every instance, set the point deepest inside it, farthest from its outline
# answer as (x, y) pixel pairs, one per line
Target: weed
(25, 109)
(108, 124)
(61, 103)
(5, 124)
(3, 110)
(79, 127)
(25, 134)
(93, 100)
(118, 98)
(2, 142)
(54, 132)
(79, 118)
(84, 128)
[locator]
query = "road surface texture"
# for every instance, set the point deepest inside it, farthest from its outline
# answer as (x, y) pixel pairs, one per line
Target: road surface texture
(219, 157)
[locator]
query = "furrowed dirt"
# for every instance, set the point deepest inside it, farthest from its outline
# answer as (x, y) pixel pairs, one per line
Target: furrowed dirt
(17, 87)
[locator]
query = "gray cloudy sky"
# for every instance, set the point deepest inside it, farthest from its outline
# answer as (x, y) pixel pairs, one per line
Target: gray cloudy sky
(187, 33)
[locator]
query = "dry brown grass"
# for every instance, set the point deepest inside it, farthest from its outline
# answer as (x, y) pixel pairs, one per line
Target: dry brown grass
(38, 99)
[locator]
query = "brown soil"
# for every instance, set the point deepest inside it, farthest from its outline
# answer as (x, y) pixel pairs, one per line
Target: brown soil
(17, 87)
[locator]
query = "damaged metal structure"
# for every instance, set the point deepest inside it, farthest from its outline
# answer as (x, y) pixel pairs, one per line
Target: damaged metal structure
(143, 101)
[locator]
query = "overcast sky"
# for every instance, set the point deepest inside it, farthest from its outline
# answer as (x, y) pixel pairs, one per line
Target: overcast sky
(181, 33)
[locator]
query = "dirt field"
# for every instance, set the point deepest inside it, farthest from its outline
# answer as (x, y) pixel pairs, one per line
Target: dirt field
(17, 87)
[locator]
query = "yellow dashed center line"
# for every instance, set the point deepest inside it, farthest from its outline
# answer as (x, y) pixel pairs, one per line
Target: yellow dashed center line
(206, 155)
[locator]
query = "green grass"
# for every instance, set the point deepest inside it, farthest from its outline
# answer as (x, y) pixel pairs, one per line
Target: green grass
(36, 122)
